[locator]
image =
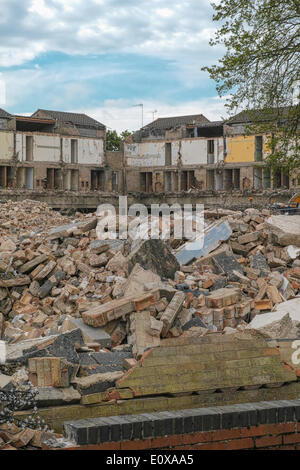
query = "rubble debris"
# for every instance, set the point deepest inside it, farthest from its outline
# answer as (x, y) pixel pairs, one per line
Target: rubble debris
(80, 315)
(156, 256)
(213, 236)
(97, 382)
(50, 372)
(291, 307)
(170, 313)
(145, 332)
(138, 279)
(284, 233)
(90, 335)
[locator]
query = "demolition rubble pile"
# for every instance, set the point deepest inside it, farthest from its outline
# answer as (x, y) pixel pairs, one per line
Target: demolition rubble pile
(77, 312)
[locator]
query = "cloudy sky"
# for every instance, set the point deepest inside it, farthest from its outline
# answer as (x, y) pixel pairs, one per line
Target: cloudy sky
(102, 57)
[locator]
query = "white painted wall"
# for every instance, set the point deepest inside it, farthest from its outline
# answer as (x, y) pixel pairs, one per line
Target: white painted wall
(47, 149)
(90, 151)
(6, 145)
(145, 154)
(193, 152)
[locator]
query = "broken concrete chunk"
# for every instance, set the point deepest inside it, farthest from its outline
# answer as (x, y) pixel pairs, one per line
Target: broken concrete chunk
(63, 345)
(228, 265)
(117, 263)
(138, 279)
(90, 334)
(213, 236)
(156, 256)
(284, 229)
(283, 327)
(97, 382)
(52, 396)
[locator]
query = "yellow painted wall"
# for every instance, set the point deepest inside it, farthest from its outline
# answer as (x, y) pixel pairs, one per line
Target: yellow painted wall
(242, 148)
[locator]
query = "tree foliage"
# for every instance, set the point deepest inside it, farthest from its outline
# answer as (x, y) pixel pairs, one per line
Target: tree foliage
(113, 140)
(261, 67)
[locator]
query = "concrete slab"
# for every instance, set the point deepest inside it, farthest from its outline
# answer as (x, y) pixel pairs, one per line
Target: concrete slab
(214, 235)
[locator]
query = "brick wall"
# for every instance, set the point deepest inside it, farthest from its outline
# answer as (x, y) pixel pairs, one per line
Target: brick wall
(262, 425)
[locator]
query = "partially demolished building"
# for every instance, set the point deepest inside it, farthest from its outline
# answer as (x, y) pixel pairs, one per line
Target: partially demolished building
(174, 154)
(185, 152)
(53, 150)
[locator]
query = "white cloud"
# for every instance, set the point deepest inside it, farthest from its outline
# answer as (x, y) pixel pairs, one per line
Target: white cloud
(39, 7)
(164, 12)
(168, 29)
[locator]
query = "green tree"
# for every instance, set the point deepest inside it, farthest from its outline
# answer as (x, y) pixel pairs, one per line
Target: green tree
(261, 67)
(113, 140)
(125, 134)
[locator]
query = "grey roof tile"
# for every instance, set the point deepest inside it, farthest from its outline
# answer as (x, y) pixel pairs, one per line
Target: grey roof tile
(4, 114)
(78, 119)
(169, 122)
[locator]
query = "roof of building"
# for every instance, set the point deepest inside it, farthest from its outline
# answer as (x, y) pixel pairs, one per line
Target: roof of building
(4, 114)
(169, 122)
(78, 119)
(209, 124)
(259, 115)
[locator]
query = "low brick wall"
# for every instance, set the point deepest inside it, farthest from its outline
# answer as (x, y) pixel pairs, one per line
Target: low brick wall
(262, 425)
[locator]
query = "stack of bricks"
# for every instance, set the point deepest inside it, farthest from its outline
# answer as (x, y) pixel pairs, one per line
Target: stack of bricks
(50, 372)
(224, 308)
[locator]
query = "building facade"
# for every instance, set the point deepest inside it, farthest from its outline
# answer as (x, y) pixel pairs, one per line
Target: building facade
(53, 150)
(173, 154)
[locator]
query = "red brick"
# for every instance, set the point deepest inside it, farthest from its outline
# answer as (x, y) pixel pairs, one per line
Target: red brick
(183, 448)
(287, 447)
(167, 441)
(109, 446)
(236, 444)
(211, 446)
(291, 438)
(264, 429)
(268, 441)
(226, 434)
(143, 302)
(136, 445)
(197, 437)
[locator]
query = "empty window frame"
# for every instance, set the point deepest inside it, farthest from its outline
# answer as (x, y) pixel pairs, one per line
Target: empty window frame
(74, 151)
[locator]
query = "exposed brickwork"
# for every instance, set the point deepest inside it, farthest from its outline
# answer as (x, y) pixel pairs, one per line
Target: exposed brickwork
(260, 425)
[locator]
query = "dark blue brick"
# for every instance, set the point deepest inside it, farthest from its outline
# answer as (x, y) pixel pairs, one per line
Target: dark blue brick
(297, 409)
(211, 420)
(163, 424)
(115, 428)
(188, 421)
(93, 434)
(148, 424)
(286, 411)
(79, 431)
(177, 422)
(104, 429)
